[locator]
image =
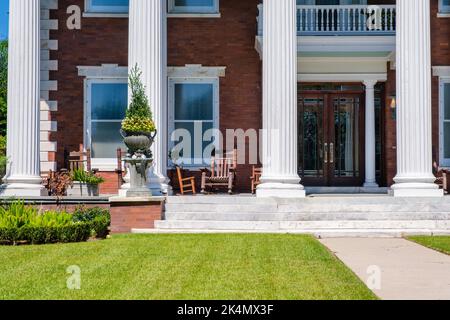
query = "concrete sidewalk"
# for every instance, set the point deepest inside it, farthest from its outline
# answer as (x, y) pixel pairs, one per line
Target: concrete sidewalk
(395, 269)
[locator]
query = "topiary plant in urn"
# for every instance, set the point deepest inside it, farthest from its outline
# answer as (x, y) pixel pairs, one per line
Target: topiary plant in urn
(138, 128)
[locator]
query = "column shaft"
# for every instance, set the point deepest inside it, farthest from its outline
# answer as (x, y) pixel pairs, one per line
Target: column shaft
(370, 135)
(148, 49)
(280, 167)
(23, 145)
(414, 141)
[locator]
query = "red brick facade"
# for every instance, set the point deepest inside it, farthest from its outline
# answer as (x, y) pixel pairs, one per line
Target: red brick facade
(227, 41)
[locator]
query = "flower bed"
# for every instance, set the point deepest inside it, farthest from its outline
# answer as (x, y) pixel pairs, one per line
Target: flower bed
(25, 224)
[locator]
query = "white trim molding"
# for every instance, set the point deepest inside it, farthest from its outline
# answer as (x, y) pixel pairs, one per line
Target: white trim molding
(441, 71)
(196, 71)
(341, 77)
(103, 71)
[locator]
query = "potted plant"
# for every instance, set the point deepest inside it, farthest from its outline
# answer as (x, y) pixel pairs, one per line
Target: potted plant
(84, 184)
(138, 128)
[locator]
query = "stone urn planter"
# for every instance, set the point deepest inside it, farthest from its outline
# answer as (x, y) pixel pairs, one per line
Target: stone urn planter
(82, 189)
(138, 142)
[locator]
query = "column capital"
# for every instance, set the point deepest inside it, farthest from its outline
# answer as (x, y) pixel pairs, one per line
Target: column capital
(370, 84)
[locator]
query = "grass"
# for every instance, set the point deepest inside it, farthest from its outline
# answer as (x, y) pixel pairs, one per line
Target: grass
(441, 244)
(181, 267)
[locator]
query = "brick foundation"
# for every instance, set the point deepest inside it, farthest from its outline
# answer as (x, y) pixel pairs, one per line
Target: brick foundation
(127, 215)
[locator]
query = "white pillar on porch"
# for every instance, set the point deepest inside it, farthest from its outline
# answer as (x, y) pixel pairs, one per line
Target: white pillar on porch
(23, 173)
(370, 135)
(148, 49)
(414, 140)
(279, 155)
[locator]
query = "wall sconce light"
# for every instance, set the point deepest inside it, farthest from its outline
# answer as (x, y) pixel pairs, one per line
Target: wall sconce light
(393, 107)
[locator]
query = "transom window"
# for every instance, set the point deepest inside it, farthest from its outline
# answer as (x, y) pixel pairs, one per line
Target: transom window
(193, 116)
(445, 122)
(193, 6)
(444, 6)
(107, 6)
(106, 105)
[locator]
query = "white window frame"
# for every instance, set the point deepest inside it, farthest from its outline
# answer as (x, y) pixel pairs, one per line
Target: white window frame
(102, 164)
(106, 11)
(443, 8)
(444, 162)
(173, 9)
(172, 81)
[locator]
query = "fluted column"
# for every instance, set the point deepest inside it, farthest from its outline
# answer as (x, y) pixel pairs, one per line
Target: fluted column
(148, 49)
(279, 155)
(23, 172)
(371, 181)
(414, 141)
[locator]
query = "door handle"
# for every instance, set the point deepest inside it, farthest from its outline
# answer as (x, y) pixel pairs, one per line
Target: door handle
(331, 152)
(326, 152)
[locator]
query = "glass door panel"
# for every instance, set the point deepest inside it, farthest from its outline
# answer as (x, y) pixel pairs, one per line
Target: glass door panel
(312, 132)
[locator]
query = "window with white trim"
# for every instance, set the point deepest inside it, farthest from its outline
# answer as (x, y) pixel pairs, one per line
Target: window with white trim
(445, 122)
(107, 6)
(444, 6)
(193, 115)
(106, 105)
(193, 6)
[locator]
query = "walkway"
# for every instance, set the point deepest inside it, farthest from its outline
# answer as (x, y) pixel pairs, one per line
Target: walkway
(396, 268)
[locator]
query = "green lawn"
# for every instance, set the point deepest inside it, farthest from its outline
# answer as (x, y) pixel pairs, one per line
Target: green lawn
(181, 267)
(441, 244)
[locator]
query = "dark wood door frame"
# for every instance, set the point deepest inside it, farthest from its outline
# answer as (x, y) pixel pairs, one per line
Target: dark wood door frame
(326, 177)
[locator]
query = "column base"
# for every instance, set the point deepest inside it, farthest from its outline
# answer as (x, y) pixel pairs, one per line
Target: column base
(371, 185)
(280, 190)
(20, 190)
(416, 190)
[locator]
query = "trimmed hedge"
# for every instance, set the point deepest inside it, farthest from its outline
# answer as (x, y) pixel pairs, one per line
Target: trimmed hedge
(25, 224)
(77, 232)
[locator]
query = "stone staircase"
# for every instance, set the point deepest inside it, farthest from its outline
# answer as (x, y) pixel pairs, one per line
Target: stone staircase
(324, 216)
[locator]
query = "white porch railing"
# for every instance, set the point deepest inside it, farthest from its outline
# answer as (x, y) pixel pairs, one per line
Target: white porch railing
(342, 20)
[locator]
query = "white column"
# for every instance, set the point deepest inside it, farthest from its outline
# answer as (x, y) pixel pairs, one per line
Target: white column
(148, 49)
(414, 141)
(279, 155)
(370, 135)
(23, 172)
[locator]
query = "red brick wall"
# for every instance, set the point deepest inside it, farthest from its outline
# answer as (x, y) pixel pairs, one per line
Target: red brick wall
(128, 216)
(440, 56)
(390, 140)
(228, 41)
(99, 41)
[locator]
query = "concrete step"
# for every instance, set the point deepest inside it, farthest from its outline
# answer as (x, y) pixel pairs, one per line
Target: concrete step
(304, 225)
(242, 215)
(323, 233)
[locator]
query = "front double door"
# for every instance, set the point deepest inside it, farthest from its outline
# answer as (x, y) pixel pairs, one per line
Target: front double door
(331, 139)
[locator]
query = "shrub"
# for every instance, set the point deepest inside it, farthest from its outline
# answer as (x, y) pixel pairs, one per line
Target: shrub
(80, 175)
(98, 218)
(139, 118)
(21, 223)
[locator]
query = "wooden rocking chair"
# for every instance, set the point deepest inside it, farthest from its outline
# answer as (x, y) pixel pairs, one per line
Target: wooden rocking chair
(78, 160)
(186, 184)
(121, 170)
(222, 172)
(255, 178)
(441, 177)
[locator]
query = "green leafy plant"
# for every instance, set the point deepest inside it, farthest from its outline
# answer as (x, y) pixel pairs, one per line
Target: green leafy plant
(82, 176)
(98, 218)
(139, 118)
